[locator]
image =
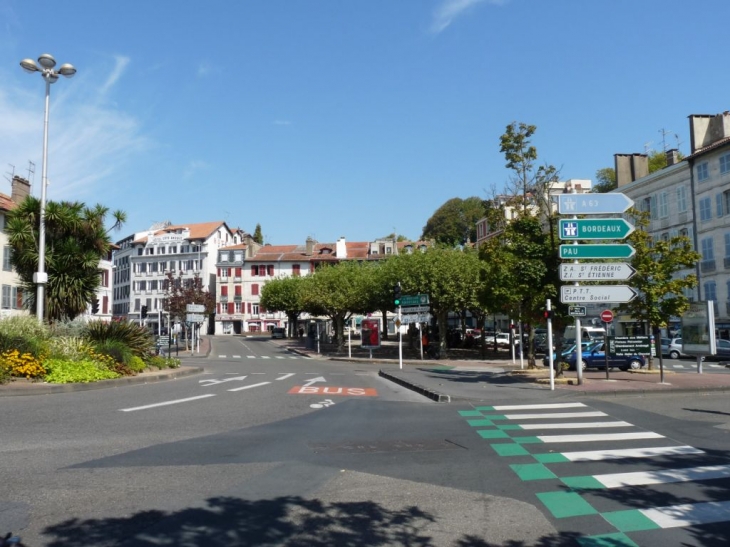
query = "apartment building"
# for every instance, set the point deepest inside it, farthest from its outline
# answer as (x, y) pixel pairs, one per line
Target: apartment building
(691, 197)
(142, 261)
(12, 290)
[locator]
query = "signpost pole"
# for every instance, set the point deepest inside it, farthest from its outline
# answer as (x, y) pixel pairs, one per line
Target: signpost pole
(578, 333)
(550, 346)
(400, 339)
(605, 346)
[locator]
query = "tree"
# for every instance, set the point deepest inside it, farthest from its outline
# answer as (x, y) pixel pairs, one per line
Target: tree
(258, 236)
(657, 264)
(76, 240)
(521, 156)
(454, 222)
(180, 292)
(284, 294)
(606, 178)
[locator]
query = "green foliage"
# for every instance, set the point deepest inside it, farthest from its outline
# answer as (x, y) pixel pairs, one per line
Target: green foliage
(63, 371)
(76, 239)
(136, 338)
(454, 222)
(4, 373)
(258, 235)
(67, 347)
(180, 292)
(25, 334)
(606, 178)
(116, 349)
(137, 364)
(157, 361)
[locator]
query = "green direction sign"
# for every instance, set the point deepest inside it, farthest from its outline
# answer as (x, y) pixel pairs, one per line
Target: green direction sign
(414, 300)
(608, 250)
(595, 228)
(626, 346)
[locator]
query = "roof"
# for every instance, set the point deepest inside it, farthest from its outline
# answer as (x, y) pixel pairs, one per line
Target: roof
(6, 203)
(201, 230)
(710, 148)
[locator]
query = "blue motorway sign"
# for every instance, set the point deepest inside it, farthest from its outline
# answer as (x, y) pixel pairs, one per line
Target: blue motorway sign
(593, 204)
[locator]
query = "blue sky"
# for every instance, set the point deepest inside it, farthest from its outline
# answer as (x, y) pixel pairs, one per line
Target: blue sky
(352, 118)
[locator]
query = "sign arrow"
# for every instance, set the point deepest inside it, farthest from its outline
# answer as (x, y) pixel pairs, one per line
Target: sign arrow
(609, 250)
(314, 380)
(595, 228)
(591, 271)
(596, 293)
(593, 204)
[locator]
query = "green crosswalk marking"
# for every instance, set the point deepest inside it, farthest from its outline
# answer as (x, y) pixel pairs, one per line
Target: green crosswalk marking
(484, 408)
(566, 504)
(532, 471)
(493, 434)
(631, 520)
(495, 416)
(583, 483)
(482, 422)
(607, 540)
(469, 413)
(509, 427)
(509, 449)
(527, 440)
(555, 457)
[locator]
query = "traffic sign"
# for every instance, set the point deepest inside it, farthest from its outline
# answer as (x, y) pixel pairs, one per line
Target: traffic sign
(607, 250)
(417, 309)
(414, 300)
(588, 271)
(606, 316)
(593, 204)
(626, 346)
(595, 228)
(596, 293)
(195, 308)
(416, 318)
(577, 311)
(194, 317)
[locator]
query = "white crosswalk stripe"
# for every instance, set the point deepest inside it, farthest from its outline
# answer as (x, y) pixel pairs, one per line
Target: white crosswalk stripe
(280, 357)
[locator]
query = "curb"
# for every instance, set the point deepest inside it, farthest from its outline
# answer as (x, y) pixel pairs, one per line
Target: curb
(144, 378)
(433, 395)
(702, 390)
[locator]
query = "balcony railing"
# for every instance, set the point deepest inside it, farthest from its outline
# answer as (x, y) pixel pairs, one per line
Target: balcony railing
(224, 298)
(238, 298)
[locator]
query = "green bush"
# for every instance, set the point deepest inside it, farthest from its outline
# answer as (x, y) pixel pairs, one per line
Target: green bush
(136, 338)
(115, 349)
(160, 362)
(67, 347)
(25, 334)
(137, 364)
(4, 374)
(62, 371)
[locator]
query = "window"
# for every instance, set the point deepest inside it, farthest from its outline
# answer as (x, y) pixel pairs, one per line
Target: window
(705, 209)
(254, 271)
(255, 309)
(296, 270)
(663, 205)
(161, 251)
(653, 208)
(238, 273)
(726, 201)
(224, 256)
(7, 297)
(255, 289)
(237, 290)
(238, 256)
(708, 252)
(270, 269)
(710, 289)
(703, 173)
(682, 199)
(7, 255)
(727, 248)
(224, 290)
(646, 205)
(173, 249)
(230, 308)
(720, 204)
(725, 164)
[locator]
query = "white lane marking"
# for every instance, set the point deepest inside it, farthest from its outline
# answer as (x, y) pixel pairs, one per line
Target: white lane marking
(249, 387)
(641, 478)
(221, 357)
(258, 373)
(236, 356)
(554, 415)
(211, 381)
(539, 407)
(145, 407)
(576, 425)
(689, 514)
(251, 356)
(599, 437)
(285, 376)
(620, 453)
(280, 357)
(265, 357)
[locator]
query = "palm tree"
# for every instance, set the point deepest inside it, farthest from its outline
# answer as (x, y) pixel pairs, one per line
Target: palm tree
(76, 239)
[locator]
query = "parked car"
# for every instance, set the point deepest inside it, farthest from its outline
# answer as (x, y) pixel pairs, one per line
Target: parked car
(278, 332)
(503, 340)
(672, 347)
(567, 352)
(593, 356)
(723, 350)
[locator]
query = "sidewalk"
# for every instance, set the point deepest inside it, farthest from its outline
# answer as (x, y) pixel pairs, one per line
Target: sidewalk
(460, 378)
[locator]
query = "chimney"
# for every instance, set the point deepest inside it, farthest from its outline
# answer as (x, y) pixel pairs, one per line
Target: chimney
(341, 248)
(20, 189)
(672, 156)
(630, 167)
(706, 129)
(310, 246)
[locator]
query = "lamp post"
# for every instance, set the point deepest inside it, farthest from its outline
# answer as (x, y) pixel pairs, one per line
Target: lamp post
(45, 66)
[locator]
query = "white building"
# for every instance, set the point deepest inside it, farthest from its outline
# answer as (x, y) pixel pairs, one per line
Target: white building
(12, 291)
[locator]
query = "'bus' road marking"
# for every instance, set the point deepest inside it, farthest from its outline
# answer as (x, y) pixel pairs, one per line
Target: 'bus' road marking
(145, 407)
(620, 453)
(599, 437)
(642, 478)
(249, 387)
(576, 425)
(554, 415)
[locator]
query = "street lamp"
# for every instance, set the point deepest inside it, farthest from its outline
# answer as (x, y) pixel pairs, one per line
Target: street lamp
(47, 63)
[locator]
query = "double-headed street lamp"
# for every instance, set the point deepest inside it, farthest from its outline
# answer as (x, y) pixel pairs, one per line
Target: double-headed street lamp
(46, 68)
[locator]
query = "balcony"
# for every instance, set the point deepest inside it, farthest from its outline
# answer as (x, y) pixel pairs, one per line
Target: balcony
(237, 279)
(224, 298)
(238, 298)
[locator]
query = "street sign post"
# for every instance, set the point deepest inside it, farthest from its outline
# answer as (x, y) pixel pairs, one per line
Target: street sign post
(596, 293)
(594, 228)
(608, 250)
(577, 311)
(618, 271)
(593, 204)
(414, 300)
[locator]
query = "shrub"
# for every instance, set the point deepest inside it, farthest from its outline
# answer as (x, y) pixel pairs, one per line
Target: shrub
(25, 334)
(4, 373)
(62, 371)
(115, 349)
(137, 364)
(163, 362)
(67, 347)
(22, 364)
(136, 338)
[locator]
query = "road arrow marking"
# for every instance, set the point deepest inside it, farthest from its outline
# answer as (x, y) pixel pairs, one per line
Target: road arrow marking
(211, 382)
(314, 380)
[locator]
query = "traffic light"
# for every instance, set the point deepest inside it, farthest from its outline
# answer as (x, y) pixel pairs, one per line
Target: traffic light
(548, 314)
(396, 295)
(144, 312)
(95, 306)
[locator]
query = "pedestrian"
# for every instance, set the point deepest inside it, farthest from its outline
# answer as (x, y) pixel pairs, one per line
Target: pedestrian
(301, 332)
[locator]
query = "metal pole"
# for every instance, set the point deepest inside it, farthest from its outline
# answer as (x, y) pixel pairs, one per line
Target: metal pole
(578, 334)
(605, 346)
(41, 276)
(550, 347)
(400, 340)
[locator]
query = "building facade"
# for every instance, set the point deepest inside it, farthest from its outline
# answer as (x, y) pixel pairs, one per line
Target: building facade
(12, 291)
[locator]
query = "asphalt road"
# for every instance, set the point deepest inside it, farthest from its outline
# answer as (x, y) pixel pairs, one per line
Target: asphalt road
(270, 448)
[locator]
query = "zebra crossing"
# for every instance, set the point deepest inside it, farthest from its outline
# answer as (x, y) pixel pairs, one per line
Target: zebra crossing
(624, 480)
(270, 357)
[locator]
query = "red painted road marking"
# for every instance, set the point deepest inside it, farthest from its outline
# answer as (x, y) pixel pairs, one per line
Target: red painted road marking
(322, 390)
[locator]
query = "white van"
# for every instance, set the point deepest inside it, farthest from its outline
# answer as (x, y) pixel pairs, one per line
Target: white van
(589, 333)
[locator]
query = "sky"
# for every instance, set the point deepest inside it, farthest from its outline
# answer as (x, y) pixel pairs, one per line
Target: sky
(341, 118)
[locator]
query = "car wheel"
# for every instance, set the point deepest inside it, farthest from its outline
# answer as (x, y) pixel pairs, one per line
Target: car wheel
(635, 364)
(674, 354)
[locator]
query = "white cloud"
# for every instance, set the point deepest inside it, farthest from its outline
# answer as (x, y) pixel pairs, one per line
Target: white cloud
(89, 142)
(449, 10)
(193, 167)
